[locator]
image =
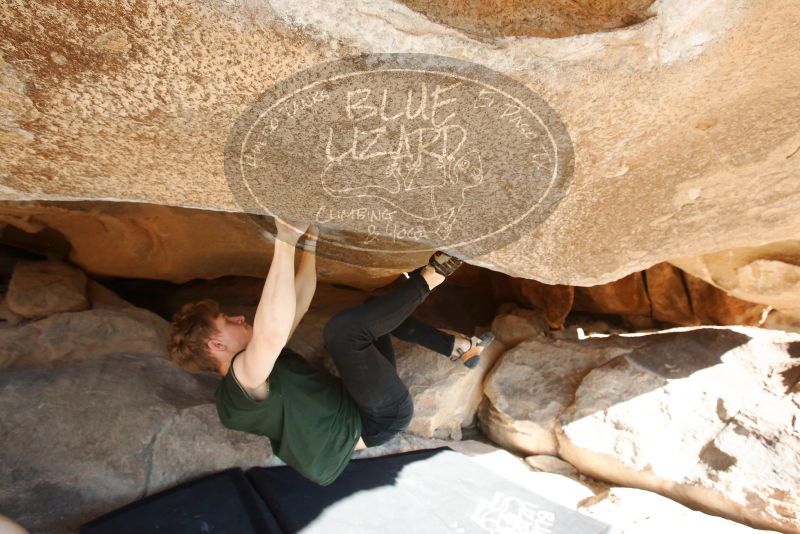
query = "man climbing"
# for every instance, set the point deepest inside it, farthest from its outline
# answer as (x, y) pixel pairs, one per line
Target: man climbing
(315, 420)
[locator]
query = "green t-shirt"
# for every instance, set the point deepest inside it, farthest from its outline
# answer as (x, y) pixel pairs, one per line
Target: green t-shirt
(309, 417)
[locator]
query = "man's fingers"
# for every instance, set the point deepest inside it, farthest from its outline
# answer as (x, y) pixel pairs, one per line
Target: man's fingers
(312, 232)
(293, 224)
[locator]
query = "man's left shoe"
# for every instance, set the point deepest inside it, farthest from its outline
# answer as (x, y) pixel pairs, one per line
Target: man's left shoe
(471, 357)
(444, 264)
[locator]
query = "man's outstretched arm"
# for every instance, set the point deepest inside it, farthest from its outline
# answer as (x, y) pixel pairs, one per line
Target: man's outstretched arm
(305, 281)
(275, 312)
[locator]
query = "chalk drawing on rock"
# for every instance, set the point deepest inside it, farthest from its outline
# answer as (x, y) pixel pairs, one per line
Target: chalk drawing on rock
(397, 154)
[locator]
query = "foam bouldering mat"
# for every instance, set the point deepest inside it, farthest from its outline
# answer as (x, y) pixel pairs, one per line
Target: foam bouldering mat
(223, 503)
(428, 491)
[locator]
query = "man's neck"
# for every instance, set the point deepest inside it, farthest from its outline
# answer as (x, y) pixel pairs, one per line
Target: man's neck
(225, 365)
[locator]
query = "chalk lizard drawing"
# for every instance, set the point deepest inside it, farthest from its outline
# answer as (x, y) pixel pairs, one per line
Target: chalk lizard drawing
(431, 187)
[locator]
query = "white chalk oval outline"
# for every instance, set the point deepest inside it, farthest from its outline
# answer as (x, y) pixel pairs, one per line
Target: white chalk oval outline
(554, 174)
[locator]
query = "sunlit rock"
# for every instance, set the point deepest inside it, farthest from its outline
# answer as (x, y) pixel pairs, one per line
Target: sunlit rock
(531, 385)
(635, 511)
(707, 417)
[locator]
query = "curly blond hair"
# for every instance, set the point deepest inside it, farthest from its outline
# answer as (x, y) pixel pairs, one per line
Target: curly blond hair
(189, 332)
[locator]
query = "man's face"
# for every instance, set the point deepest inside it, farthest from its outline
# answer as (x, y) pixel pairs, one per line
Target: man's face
(234, 333)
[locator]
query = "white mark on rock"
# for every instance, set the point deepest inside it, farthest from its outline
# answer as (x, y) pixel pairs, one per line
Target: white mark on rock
(621, 171)
(57, 58)
(112, 42)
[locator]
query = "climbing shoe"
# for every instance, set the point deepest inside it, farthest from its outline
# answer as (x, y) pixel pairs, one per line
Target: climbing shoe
(471, 357)
(444, 264)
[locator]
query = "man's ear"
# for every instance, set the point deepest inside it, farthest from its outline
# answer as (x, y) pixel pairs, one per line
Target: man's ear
(216, 345)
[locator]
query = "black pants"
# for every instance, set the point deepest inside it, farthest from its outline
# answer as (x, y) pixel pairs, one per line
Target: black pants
(358, 340)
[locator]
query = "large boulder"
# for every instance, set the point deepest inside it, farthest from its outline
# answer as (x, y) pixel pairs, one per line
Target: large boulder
(708, 417)
(81, 336)
(446, 394)
(41, 288)
(556, 301)
(531, 385)
(766, 274)
(91, 433)
(660, 163)
(513, 325)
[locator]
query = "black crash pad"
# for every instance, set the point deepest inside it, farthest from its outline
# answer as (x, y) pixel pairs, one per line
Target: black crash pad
(428, 491)
(222, 503)
(424, 492)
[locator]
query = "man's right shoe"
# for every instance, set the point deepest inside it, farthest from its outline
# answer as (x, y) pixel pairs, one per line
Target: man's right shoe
(472, 356)
(444, 264)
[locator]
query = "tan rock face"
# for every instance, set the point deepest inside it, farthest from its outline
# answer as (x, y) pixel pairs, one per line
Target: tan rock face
(767, 274)
(134, 50)
(671, 119)
(133, 240)
(705, 416)
(180, 244)
(661, 293)
(550, 464)
(625, 296)
(546, 18)
(41, 288)
(556, 301)
(712, 306)
(514, 325)
(669, 299)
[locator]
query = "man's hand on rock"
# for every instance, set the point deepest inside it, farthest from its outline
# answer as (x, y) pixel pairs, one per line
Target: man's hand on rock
(290, 231)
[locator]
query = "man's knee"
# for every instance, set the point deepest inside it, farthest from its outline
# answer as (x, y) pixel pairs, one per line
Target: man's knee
(341, 328)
